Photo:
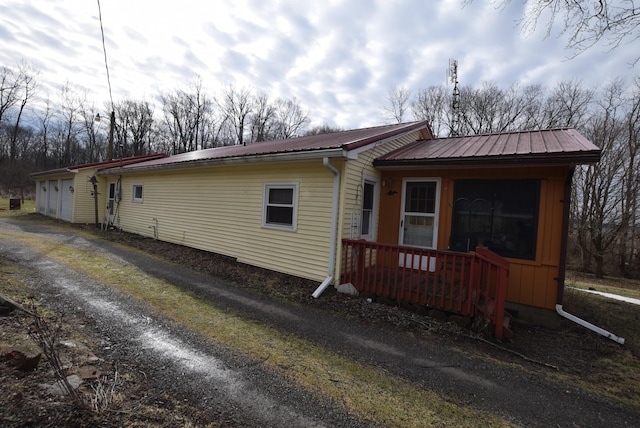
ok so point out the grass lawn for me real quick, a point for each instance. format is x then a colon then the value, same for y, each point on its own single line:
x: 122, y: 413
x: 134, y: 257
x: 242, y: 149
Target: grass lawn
x: 26, y: 207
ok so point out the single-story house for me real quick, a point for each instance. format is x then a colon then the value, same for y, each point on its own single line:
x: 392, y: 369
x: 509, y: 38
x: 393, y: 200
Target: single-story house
x: 68, y: 193
x: 390, y: 210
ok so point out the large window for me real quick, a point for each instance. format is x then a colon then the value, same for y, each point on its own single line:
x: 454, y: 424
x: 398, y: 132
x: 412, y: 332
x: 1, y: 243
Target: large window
x: 499, y: 214
x: 280, y: 206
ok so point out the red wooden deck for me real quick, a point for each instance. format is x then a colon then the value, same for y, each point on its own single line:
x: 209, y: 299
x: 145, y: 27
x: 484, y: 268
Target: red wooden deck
x: 471, y: 284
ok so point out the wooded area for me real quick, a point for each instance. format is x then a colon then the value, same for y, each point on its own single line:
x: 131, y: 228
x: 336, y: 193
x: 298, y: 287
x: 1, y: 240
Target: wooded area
x: 38, y: 132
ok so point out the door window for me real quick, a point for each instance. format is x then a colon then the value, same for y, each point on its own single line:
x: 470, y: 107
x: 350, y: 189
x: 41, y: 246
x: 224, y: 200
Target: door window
x: 419, y: 223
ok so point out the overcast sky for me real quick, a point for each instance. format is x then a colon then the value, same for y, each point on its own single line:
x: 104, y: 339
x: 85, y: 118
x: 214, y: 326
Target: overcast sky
x: 338, y: 58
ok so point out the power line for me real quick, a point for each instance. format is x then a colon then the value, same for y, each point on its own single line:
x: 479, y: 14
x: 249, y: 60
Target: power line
x: 104, y: 49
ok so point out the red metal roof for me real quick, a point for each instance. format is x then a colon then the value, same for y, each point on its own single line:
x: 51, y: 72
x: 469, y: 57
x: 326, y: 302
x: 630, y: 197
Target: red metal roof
x: 103, y: 165
x: 343, y: 140
x: 530, y: 147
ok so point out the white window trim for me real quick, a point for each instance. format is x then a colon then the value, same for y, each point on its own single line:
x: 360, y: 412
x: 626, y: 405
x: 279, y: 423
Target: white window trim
x: 265, y: 199
x: 435, y: 215
x: 373, y: 230
x: 133, y: 192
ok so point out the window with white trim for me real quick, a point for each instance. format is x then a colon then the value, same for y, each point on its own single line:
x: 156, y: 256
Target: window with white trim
x: 136, y: 193
x: 367, y: 217
x: 280, y: 206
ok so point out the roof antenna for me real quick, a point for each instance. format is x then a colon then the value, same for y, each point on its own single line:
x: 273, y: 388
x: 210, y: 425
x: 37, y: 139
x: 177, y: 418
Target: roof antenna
x: 452, y: 77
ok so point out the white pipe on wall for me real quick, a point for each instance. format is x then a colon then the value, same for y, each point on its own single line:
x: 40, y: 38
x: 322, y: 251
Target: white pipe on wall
x: 334, y: 227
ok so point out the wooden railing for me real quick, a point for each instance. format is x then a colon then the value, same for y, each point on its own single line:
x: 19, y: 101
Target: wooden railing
x: 471, y: 284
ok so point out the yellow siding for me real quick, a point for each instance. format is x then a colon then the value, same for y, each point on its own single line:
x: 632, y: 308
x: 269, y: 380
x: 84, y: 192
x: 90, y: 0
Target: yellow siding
x: 83, y: 202
x: 219, y: 209
x: 351, y: 190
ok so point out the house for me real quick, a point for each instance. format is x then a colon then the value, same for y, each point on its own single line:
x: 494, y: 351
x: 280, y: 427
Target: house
x: 68, y: 193
x: 461, y: 224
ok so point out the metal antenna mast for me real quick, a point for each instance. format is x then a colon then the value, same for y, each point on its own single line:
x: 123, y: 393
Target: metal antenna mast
x: 452, y: 77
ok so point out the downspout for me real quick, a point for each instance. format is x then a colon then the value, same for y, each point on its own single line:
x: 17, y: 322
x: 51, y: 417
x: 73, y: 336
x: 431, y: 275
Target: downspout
x: 334, y: 227
x: 563, y: 262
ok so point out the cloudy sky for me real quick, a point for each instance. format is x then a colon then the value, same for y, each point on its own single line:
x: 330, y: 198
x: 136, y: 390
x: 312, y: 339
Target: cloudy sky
x: 338, y: 58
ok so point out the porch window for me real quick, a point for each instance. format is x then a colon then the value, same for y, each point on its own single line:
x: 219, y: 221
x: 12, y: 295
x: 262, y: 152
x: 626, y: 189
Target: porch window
x: 499, y: 214
x: 280, y: 206
x: 367, y: 218
x: 136, y: 192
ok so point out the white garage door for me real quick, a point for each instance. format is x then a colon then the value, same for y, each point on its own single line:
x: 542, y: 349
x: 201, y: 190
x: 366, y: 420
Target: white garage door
x: 66, y: 200
x: 52, y: 198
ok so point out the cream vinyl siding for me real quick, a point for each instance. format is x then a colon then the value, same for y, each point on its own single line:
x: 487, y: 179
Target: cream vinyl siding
x: 220, y: 209
x: 84, y: 205
x: 351, y: 189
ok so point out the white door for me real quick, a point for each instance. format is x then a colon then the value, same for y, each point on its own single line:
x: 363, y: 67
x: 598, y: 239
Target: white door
x: 111, y: 203
x: 419, y: 220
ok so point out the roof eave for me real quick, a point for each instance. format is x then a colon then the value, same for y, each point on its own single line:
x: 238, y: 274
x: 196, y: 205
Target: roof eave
x: 52, y: 172
x: 272, y: 157
x: 516, y: 160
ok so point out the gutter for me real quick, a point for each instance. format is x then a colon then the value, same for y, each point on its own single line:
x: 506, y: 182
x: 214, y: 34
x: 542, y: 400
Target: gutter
x: 231, y: 160
x: 334, y: 227
x: 563, y: 262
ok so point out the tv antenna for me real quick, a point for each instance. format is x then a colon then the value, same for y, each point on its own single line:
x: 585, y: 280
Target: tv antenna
x: 452, y: 77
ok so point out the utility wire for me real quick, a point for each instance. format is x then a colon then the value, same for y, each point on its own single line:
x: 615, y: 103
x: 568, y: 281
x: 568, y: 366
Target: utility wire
x: 104, y: 49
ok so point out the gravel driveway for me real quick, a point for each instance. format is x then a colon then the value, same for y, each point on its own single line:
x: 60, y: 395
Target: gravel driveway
x: 217, y: 378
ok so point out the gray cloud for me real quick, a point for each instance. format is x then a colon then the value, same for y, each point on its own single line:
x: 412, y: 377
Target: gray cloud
x: 338, y: 58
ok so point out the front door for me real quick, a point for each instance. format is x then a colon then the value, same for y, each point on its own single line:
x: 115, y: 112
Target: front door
x: 419, y: 220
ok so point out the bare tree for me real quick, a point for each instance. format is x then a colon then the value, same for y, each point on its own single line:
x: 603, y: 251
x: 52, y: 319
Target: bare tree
x: 598, y: 209
x: 9, y: 90
x: 291, y: 119
x: 27, y: 86
x: 433, y: 105
x: 188, y: 118
x: 630, y: 185
x: 584, y: 22
x: 88, y: 115
x: 72, y: 101
x: 237, y: 105
x: 134, y: 125
x: 568, y: 105
x: 323, y: 129
x: 398, y: 100
x: 44, y: 118
x: 262, y: 119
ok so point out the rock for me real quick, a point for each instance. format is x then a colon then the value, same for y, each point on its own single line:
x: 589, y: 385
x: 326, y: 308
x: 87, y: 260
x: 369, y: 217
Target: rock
x: 348, y: 289
x: 59, y: 389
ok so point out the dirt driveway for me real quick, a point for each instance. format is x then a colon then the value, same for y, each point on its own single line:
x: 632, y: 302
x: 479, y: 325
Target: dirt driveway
x: 229, y: 387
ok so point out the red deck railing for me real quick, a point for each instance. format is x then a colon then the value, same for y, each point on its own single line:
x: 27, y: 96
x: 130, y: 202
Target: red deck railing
x: 471, y: 284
